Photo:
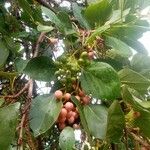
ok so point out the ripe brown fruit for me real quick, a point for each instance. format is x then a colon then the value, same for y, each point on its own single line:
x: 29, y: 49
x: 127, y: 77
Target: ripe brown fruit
x: 62, y: 120
x: 63, y: 112
x: 86, y: 100
x: 69, y: 114
x: 91, y: 55
x: 136, y: 114
x: 81, y: 93
x: 69, y: 106
x: 61, y: 126
x: 71, y: 120
x: 58, y: 94
x: 67, y: 96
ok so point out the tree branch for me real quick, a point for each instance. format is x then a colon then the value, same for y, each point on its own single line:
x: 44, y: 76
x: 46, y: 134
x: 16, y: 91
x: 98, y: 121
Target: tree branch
x: 40, y: 39
x: 139, y: 140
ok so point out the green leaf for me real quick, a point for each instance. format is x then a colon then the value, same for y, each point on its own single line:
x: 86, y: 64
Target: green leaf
x: 130, y: 96
x: 77, y: 11
x: 20, y: 64
x: 67, y: 139
x: 44, y: 112
x: 136, y: 45
x: 43, y: 28
x: 116, y: 16
x: 140, y: 62
x: 40, y: 68
x: 8, y: 124
x: 26, y: 8
x: 52, y: 16
x: 1, y: 101
x: 96, y: 117
x: 97, y: 32
x: 134, y: 80
x: 82, y: 116
x: 100, y: 80
x: 144, y: 118
x: 66, y: 23
x: 119, y: 47
x: 142, y: 121
x: 116, y: 123
x: 98, y: 13
x: 3, y: 54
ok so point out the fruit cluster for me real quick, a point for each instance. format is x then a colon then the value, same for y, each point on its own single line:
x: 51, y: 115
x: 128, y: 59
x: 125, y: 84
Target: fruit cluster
x: 69, y: 115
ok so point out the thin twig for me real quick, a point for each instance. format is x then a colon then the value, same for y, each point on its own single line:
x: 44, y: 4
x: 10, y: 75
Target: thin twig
x: 40, y: 39
x: 19, y: 93
x: 141, y: 141
x: 126, y: 138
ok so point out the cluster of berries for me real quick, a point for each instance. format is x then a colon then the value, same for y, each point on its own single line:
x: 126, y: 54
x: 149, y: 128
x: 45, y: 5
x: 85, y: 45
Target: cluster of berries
x: 69, y: 115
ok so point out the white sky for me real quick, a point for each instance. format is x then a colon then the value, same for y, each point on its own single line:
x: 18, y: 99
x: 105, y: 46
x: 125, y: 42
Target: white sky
x: 145, y: 40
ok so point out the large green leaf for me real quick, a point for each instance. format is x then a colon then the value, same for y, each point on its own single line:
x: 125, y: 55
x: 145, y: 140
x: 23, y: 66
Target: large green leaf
x: 134, y: 80
x: 20, y: 64
x: 52, y: 16
x: 66, y: 23
x: 1, y: 101
x: 116, y: 123
x: 67, y: 139
x: 143, y: 121
x: 119, y: 48
x: 100, y: 80
x: 77, y: 11
x: 96, y: 117
x: 97, y: 32
x: 82, y: 116
x: 116, y: 16
x: 144, y: 118
x: 3, y: 54
x: 130, y: 35
x: 26, y: 8
x: 44, y: 112
x: 98, y: 13
x: 40, y: 68
x: 8, y: 124
x: 136, y: 45
x: 140, y: 62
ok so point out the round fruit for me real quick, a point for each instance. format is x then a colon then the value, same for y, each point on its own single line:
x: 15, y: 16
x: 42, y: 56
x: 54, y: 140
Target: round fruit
x: 76, y: 126
x: 81, y: 61
x: 69, y: 106
x: 63, y: 112
x: 86, y: 100
x: 136, y: 114
x: 69, y: 114
x: 91, y: 55
x: 84, y: 55
x: 71, y: 120
x: 61, y: 126
x: 58, y: 94
x: 62, y: 120
x: 67, y: 96
x: 81, y: 93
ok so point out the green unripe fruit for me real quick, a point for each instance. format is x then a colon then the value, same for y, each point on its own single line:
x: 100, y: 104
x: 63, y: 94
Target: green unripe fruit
x: 84, y: 55
x: 81, y: 61
x: 57, y: 73
x: 73, y: 79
